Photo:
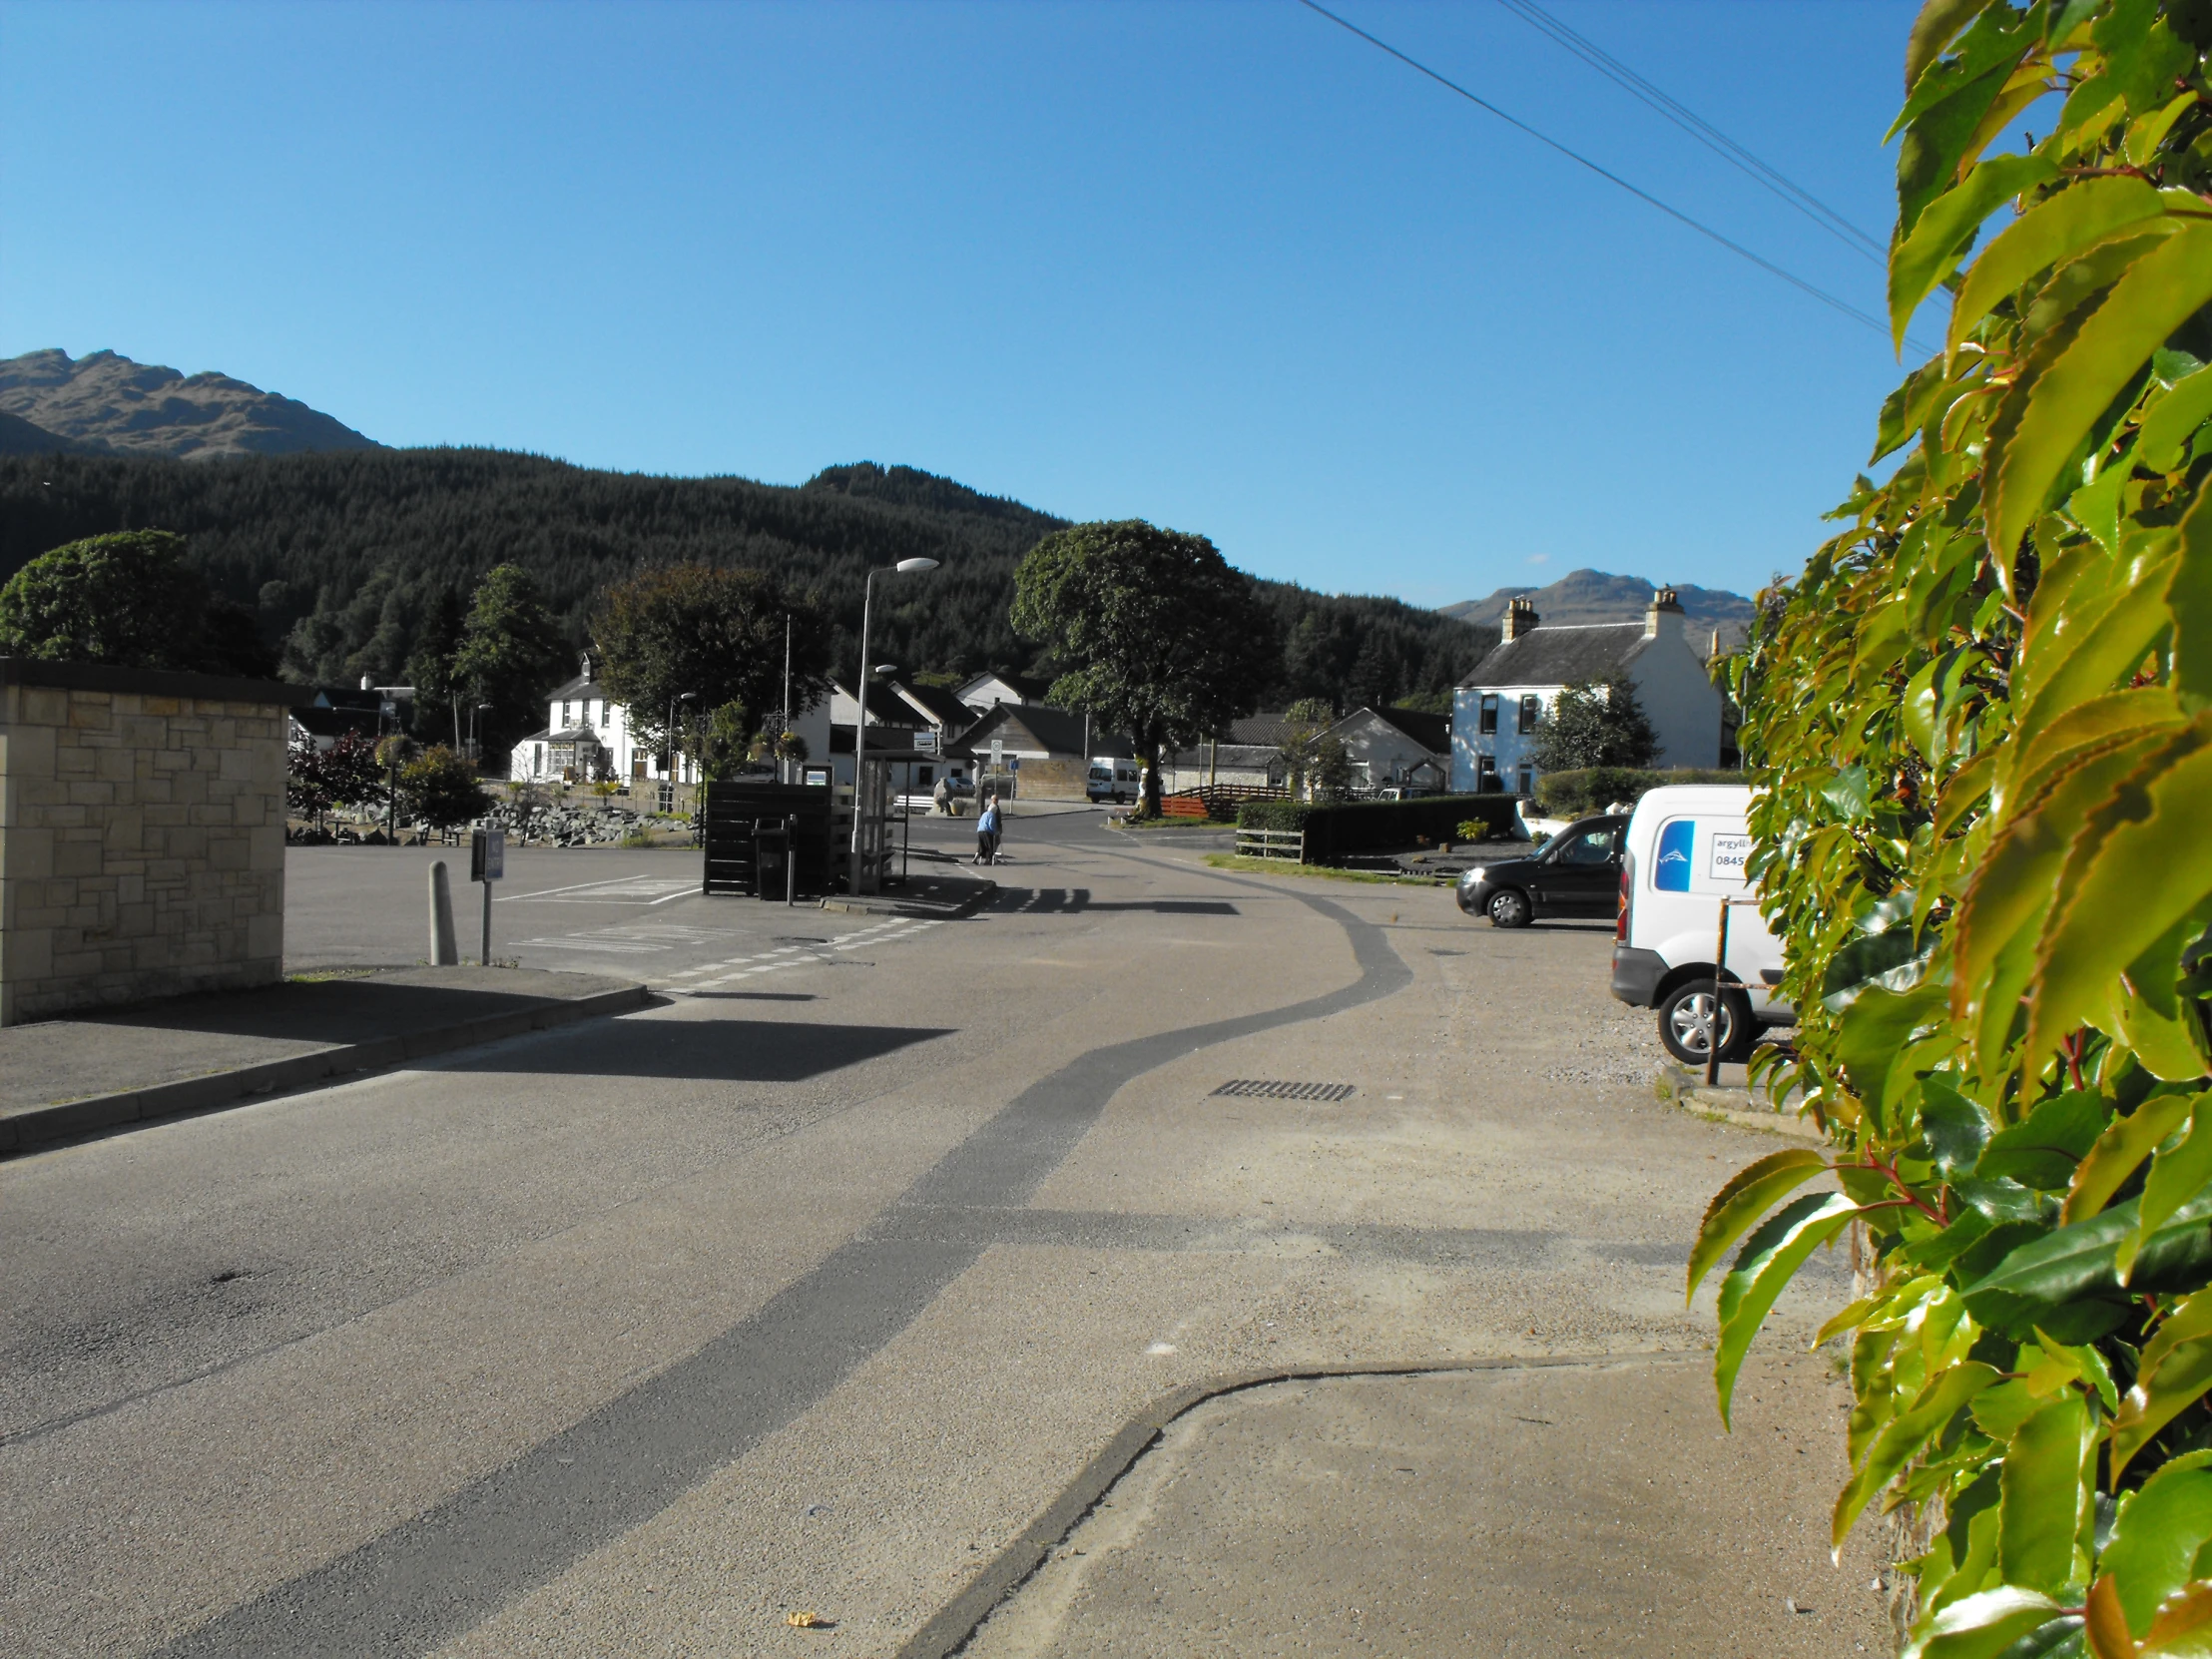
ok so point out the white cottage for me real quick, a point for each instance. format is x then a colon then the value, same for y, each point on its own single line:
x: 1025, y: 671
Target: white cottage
x: 1497, y: 708
x: 586, y: 737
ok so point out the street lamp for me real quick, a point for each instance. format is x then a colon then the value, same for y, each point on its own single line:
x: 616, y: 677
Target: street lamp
x: 475, y: 746
x: 905, y: 567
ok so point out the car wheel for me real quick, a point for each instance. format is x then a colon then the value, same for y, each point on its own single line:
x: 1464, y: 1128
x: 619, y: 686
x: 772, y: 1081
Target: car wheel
x: 1510, y: 908
x: 1688, y: 1017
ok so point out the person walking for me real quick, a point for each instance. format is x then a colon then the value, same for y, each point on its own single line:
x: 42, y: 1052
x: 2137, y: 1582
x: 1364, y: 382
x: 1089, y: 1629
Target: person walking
x: 986, y: 832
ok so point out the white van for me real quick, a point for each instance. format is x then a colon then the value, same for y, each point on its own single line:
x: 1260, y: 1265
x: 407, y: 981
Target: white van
x: 1684, y: 855
x: 1114, y: 780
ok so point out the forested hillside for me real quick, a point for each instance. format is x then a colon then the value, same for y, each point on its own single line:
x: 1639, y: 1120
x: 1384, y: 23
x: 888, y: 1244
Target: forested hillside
x: 342, y: 556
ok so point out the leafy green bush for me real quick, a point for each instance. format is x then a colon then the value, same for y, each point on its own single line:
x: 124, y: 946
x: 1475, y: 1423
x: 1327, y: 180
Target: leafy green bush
x: 441, y: 790
x: 1981, y: 723
x: 1334, y: 831
x: 1590, y: 789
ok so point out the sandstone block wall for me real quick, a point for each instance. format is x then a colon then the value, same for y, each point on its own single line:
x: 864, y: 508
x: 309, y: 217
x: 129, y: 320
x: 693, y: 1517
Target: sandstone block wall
x: 142, y: 837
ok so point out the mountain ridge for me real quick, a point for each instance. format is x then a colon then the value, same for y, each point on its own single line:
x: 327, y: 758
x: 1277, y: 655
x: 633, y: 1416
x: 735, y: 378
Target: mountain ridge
x: 1586, y: 596
x: 104, y: 402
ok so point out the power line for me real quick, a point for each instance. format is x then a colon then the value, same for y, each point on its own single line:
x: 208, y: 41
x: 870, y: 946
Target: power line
x: 1822, y: 294
x: 1772, y: 179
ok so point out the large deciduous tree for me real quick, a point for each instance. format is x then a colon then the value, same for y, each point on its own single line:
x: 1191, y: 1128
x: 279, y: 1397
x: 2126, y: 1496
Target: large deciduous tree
x: 511, y: 652
x: 1595, y: 722
x: 1153, y: 632
x: 128, y: 600
x: 717, y: 633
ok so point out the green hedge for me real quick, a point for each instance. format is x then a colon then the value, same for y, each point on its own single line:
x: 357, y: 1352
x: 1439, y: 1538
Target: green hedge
x: 1332, y: 832
x: 1593, y: 788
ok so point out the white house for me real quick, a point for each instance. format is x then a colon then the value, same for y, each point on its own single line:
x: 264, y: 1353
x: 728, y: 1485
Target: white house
x: 1401, y: 747
x: 987, y: 691
x: 587, y: 736
x: 1497, y: 708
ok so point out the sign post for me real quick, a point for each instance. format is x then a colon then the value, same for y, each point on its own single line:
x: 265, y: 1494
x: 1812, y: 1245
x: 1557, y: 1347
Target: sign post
x: 487, y: 863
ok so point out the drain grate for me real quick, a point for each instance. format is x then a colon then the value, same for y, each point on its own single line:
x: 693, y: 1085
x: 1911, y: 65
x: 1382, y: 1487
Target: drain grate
x: 1267, y: 1089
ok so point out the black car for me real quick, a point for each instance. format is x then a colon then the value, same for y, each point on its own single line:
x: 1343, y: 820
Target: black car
x: 1576, y: 873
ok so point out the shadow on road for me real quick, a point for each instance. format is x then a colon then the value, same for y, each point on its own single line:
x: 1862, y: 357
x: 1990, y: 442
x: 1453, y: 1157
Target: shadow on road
x: 1036, y: 901
x: 720, y: 1050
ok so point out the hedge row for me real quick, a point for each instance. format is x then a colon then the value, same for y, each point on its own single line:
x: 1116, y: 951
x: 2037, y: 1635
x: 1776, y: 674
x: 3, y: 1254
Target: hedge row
x: 1332, y: 832
x: 1593, y: 788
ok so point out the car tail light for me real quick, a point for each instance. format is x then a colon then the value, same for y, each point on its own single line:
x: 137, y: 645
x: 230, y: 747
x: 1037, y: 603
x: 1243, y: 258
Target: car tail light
x: 1620, y: 919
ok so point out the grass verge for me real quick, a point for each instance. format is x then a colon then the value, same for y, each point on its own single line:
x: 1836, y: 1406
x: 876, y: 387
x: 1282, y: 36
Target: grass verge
x: 1283, y: 866
x: 1150, y: 824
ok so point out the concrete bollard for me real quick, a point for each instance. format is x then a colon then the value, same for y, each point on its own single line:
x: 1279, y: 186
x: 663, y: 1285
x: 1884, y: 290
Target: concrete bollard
x: 444, y: 952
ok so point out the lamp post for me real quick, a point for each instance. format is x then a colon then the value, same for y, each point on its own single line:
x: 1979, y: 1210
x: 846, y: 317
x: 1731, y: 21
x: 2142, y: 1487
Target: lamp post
x: 476, y: 744
x: 905, y: 567
x: 684, y: 696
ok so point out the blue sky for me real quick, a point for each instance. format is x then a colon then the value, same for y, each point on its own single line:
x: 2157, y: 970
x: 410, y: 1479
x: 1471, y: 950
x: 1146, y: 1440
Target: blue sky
x: 1218, y: 265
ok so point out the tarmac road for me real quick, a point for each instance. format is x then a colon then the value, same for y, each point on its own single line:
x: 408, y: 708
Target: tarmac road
x: 810, y: 1293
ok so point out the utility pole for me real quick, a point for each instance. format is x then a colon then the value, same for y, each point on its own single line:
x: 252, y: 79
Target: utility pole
x: 783, y: 720
x: 905, y: 567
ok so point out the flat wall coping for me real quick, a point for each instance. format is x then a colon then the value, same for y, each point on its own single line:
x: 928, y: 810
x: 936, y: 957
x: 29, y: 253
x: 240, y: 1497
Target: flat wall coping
x: 150, y: 681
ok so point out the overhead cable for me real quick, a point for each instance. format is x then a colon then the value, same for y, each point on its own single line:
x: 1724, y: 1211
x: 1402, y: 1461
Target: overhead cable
x: 1804, y: 201
x: 1868, y: 318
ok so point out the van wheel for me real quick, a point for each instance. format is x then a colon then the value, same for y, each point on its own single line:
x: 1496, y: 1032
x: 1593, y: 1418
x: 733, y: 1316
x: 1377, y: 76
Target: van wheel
x: 1510, y: 908
x: 1688, y: 1016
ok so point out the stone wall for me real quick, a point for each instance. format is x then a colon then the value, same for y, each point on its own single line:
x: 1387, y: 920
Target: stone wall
x: 142, y: 836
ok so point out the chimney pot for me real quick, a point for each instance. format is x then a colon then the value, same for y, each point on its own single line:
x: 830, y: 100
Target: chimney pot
x: 1520, y: 617
x: 1664, y: 602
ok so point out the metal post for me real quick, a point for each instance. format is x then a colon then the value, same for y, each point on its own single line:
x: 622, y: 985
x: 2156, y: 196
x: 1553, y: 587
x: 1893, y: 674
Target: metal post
x: 443, y: 952
x: 790, y: 862
x: 859, y: 731
x: 1713, y: 1037
x: 484, y: 954
x: 783, y: 718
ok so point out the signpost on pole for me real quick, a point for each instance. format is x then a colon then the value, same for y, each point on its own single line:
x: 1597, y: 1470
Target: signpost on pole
x: 487, y: 863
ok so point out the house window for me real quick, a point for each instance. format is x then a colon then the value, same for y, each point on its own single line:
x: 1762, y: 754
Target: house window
x: 1485, y: 773
x: 537, y: 760
x: 1488, y: 725
x: 1528, y: 783
x: 1532, y: 710
x: 926, y: 776
x: 565, y: 706
x: 637, y: 769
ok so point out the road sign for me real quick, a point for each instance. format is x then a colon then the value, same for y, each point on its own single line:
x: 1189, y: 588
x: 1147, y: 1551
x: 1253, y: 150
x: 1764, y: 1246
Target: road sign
x: 926, y: 742
x: 998, y: 753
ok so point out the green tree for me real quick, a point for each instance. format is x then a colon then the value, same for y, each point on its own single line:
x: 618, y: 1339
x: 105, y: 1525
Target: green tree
x: 441, y: 790
x: 1980, y: 727
x: 717, y: 633
x: 511, y: 652
x: 1595, y: 722
x: 1320, y: 768
x: 726, y: 742
x: 429, y: 665
x: 129, y: 600
x: 1155, y: 632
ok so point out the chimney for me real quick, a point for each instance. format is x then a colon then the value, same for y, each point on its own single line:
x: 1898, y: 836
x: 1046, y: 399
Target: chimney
x: 587, y: 664
x: 1663, y: 603
x: 1520, y: 617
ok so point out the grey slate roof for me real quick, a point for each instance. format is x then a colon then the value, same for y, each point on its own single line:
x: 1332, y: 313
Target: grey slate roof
x: 944, y: 707
x: 1560, y: 656
x: 1057, y: 731
x: 1432, y: 732
x: 1272, y: 730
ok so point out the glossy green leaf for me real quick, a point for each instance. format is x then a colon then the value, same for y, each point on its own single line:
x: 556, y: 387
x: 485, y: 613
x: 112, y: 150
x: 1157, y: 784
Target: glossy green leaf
x: 2047, y: 1148
x: 1906, y: 410
x: 2075, y: 666
x: 2119, y: 1151
x: 2085, y: 730
x: 2189, y: 602
x: 2049, y: 234
x: 2182, y: 1628
x: 2001, y: 1411
x: 1982, y: 1626
x: 2173, y: 420
x: 2159, y: 292
x: 1750, y: 1193
x: 1769, y: 1259
x: 1908, y: 1431
x: 2149, y: 864
x: 2175, y: 1372
x: 1953, y: 1128
x: 2039, y: 1514
x: 2001, y: 920
x: 2177, y: 1175
x: 2077, y: 1262
x: 1935, y: 27
x: 1945, y: 228
x: 1875, y: 1028
x: 2159, y: 1534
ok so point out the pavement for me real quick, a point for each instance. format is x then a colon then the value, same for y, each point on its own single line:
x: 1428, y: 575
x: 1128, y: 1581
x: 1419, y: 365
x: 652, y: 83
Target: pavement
x: 68, y: 1077
x: 821, y: 1280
